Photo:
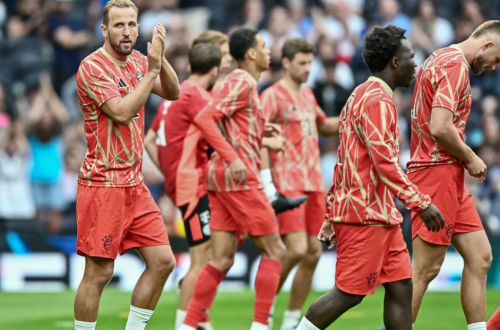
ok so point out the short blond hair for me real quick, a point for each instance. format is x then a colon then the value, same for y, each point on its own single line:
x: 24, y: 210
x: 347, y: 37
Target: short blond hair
x: 211, y: 37
x: 487, y: 27
x: 117, y: 3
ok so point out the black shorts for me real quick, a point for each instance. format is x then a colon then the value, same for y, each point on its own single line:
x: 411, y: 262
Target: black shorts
x: 197, y: 223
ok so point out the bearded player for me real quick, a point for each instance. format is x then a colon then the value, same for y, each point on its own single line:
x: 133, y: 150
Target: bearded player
x: 296, y: 171
x: 115, y: 210
x: 439, y: 158
x: 361, y: 214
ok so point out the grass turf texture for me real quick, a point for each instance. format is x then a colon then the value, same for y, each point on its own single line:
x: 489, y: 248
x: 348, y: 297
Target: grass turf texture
x: 231, y: 311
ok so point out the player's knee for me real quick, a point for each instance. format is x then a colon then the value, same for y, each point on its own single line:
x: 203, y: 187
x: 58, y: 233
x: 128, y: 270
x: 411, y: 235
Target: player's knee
x: 313, y: 254
x: 481, y: 263
x: 296, y: 253
x: 277, y: 252
x: 102, y: 275
x: 426, y: 274
x: 163, y: 265
x: 224, y: 264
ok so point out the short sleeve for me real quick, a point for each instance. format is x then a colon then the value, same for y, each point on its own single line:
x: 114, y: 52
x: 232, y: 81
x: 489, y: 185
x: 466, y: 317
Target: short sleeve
x: 95, y: 82
x: 234, y: 95
x: 450, y: 85
x: 269, y: 105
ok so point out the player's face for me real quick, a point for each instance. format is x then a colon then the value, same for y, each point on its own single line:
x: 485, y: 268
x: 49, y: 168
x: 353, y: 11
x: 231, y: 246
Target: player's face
x: 263, y: 55
x: 488, y: 57
x: 299, y: 67
x: 122, y: 30
x: 227, y: 59
x: 406, y: 64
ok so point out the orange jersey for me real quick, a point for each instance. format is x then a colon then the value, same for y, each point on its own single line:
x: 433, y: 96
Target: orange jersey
x: 367, y: 175
x: 298, y: 114
x: 180, y: 143
x: 236, y: 108
x: 442, y: 81
x: 114, y: 152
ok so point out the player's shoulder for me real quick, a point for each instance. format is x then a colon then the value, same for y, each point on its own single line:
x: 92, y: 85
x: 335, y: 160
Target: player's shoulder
x: 447, y: 57
x: 241, y: 77
x: 373, y: 93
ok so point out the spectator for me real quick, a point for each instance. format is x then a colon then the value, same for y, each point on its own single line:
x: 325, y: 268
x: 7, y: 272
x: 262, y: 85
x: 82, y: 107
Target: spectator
x: 390, y: 14
x: 15, y: 193
x: 45, y: 121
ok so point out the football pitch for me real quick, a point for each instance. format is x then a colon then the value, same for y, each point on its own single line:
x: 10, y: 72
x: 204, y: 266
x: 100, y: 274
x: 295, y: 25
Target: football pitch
x: 231, y: 311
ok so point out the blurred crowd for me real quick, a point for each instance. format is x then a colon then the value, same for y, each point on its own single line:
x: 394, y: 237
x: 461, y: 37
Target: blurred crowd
x: 43, y: 41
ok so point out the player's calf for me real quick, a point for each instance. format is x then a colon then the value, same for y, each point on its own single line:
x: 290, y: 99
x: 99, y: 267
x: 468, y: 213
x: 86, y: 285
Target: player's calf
x: 397, y: 305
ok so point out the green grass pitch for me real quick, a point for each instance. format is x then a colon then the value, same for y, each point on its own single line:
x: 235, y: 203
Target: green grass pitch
x: 231, y: 311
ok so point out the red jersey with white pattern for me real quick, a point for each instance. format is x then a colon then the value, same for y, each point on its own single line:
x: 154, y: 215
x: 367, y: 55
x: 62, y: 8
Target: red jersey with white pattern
x: 172, y: 122
x: 367, y: 175
x: 237, y: 108
x: 114, y: 152
x: 297, y: 168
x: 442, y: 81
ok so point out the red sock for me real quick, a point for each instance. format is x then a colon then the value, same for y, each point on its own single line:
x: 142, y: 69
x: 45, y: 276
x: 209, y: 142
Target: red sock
x: 266, y: 286
x: 494, y: 322
x: 203, y: 295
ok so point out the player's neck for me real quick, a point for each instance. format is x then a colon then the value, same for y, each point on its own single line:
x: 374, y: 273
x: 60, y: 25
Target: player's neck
x: 291, y: 84
x: 387, y: 77
x: 202, y: 81
x: 107, y: 47
x: 470, y: 48
x: 250, y: 68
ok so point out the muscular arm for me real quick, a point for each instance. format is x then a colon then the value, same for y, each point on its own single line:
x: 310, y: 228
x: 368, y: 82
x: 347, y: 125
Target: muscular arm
x: 167, y: 83
x: 330, y: 126
x: 123, y: 109
x: 151, y: 148
x: 446, y: 135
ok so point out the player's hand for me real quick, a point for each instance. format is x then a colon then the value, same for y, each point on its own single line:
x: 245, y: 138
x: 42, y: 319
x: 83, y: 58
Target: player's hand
x: 156, y: 49
x: 476, y: 167
x: 327, y: 235
x: 272, y: 130
x: 432, y: 218
x: 276, y: 143
x: 239, y: 171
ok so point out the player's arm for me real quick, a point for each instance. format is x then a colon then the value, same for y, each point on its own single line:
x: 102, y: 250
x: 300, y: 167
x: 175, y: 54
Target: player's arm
x: 207, y: 121
x: 167, y: 83
x: 123, y: 109
x: 152, y: 148
x: 330, y: 126
x: 446, y: 135
x: 376, y: 129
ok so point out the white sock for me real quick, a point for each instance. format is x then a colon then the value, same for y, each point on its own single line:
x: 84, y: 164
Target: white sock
x: 477, y: 326
x: 138, y: 318
x: 186, y: 327
x: 269, y: 188
x: 305, y: 324
x: 80, y: 325
x: 259, y: 326
x: 179, y: 318
x: 290, y: 319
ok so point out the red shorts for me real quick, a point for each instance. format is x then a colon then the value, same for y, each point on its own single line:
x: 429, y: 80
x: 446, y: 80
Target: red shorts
x: 368, y: 256
x: 242, y: 212
x: 112, y: 220
x: 308, y: 217
x: 445, y: 185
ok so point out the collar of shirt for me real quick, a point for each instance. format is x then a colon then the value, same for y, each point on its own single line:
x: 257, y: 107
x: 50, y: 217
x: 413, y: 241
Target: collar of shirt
x: 383, y: 83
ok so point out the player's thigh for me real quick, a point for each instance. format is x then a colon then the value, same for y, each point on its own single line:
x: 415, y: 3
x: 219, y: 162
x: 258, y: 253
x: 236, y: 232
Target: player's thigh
x: 427, y: 257
x: 196, y: 223
x: 293, y: 220
x: 474, y: 247
x: 400, y: 291
x: 315, y: 209
x: 200, y: 254
x: 271, y: 246
x: 296, y: 242
x: 147, y: 228
x: 441, y: 183
x: 467, y: 219
x: 224, y: 245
